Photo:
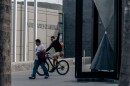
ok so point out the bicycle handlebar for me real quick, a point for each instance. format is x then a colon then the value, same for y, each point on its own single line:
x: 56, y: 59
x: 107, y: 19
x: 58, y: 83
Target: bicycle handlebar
x: 47, y: 53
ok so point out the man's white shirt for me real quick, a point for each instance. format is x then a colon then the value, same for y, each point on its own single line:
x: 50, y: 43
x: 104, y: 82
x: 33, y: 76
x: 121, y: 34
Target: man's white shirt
x: 38, y: 49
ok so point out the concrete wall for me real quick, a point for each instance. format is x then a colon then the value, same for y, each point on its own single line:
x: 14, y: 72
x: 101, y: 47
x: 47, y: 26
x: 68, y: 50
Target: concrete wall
x: 125, y: 55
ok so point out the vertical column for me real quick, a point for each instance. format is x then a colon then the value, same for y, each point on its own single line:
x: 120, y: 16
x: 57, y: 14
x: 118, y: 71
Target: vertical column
x: 25, y: 30
x: 95, y: 31
x: 63, y: 27
x: 14, y: 30
x: 35, y: 23
x: 35, y: 19
x: 78, y: 38
x: 118, y: 25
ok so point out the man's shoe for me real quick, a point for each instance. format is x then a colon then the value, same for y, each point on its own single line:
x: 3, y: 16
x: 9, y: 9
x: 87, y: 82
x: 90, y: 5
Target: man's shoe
x: 32, y: 77
x: 46, y: 77
x: 52, y: 70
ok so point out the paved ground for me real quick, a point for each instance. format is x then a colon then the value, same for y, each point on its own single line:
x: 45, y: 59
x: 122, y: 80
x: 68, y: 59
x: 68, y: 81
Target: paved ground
x: 21, y: 79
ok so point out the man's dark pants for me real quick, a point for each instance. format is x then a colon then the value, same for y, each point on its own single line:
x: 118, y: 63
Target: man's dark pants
x: 35, y: 68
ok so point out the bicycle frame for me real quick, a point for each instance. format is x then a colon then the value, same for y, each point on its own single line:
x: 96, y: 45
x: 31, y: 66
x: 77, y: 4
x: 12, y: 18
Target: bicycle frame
x: 48, y: 58
x: 58, y: 65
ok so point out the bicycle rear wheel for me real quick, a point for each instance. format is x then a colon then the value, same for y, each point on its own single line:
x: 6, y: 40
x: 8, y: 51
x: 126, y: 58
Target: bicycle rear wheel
x: 62, y: 67
x: 40, y: 70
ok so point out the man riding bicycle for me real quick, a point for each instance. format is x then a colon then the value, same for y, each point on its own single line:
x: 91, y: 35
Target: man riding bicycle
x: 58, y: 50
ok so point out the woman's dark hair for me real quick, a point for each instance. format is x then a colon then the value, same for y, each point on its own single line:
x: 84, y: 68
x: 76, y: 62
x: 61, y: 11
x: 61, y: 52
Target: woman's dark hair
x: 38, y: 40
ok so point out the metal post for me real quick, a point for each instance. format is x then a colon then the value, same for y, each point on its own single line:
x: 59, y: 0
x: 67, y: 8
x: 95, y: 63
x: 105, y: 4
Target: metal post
x: 78, y: 38
x: 25, y: 30
x: 61, y: 25
x: 118, y: 26
x: 95, y: 31
x: 14, y: 30
x: 35, y: 23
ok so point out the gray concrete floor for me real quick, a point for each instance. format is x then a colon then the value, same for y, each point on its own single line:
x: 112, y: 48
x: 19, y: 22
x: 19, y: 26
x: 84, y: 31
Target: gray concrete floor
x: 21, y: 79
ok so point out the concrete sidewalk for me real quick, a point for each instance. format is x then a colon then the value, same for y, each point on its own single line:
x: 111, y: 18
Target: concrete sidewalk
x: 24, y: 66
x: 21, y: 79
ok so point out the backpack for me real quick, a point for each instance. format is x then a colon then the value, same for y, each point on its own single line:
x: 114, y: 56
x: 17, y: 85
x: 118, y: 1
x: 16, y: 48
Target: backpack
x: 41, y: 57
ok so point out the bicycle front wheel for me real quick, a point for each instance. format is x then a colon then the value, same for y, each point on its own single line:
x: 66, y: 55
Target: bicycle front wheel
x: 62, y: 67
x: 40, y: 70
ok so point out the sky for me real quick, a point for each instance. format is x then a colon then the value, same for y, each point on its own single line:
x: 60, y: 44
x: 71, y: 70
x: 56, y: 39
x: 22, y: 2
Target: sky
x: 49, y: 1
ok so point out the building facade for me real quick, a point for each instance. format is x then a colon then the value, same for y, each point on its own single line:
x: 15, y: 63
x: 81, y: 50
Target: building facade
x: 47, y: 25
x: 122, y: 49
x: 69, y: 10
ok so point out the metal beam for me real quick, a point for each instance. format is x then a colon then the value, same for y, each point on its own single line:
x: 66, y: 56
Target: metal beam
x: 78, y: 38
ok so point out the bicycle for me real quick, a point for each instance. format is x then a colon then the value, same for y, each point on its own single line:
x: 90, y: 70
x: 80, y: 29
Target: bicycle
x: 62, y: 66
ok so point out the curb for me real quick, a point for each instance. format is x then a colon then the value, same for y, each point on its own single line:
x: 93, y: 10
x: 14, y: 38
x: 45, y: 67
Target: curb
x: 24, y: 66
